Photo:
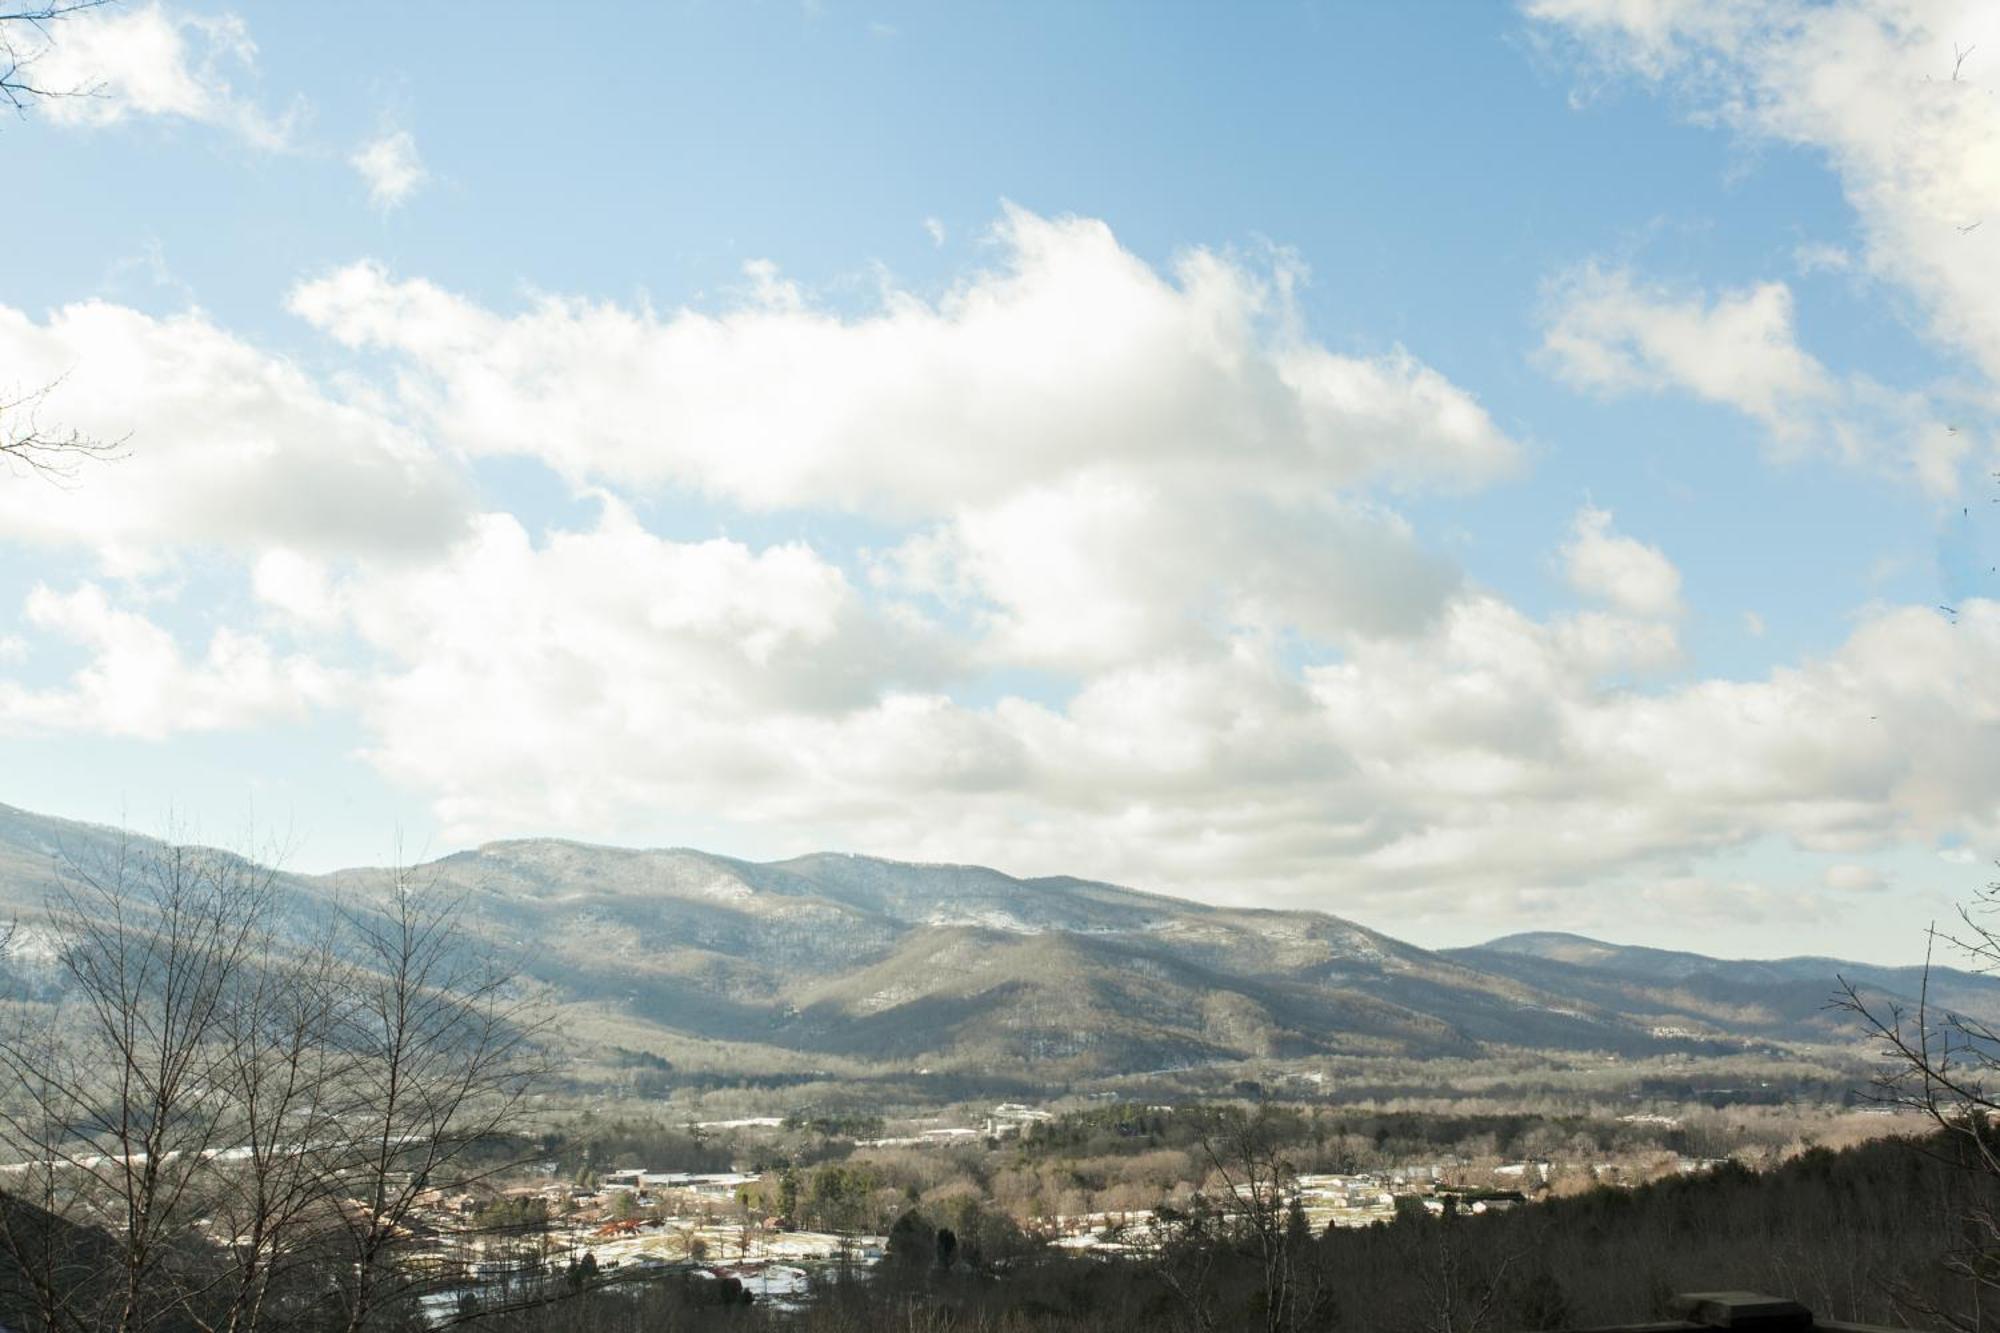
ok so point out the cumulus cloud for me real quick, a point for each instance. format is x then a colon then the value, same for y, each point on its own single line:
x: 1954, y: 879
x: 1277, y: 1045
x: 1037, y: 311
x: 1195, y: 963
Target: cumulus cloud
x: 1442, y: 773
x: 1073, y: 353
x: 391, y: 167
x: 1609, y: 332
x: 1108, y: 568
x: 109, y: 64
x: 1488, y: 735
x: 1633, y: 577
x: 1099, y: 461
x: 1878, y: 87
x: 136, y: 681
x: 1457, y: 770
x: 612, y: 667
x: 228, y: 446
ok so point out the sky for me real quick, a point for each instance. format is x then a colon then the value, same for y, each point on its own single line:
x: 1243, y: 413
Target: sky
x: 1465, y: 468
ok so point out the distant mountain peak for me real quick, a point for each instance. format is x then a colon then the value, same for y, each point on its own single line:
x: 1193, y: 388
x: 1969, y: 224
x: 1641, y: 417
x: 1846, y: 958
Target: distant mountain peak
x: 866, y: 963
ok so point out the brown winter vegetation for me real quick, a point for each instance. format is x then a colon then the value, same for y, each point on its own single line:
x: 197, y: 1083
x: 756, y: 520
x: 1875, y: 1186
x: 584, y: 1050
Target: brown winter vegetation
x: 231, y: 1107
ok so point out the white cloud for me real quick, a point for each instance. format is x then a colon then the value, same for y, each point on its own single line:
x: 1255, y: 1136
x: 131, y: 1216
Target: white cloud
x: 227, y: 446
x: 1073, y: 355
x: 1607, y: 644
x: 1456, y: 770
x: 1108, y: 568
x: 1633, y: 577
x: 298, y: 589
x: 606, y: 669
x: 1870, y: 85
x: 137, y: 682
x: 391, y: 167
x: 1158, y: 491
x: 1156, y: 485
x: 1100, y: 463
x: 1610, y: 333
x: 108, y: 64
x: 1509, y: 762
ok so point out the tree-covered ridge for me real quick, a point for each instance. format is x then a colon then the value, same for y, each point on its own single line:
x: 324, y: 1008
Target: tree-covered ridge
x: 675, y: 968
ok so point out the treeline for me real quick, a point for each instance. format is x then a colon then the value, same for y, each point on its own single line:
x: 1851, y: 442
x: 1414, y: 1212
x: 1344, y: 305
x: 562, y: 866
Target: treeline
x: 1321, y: 1139
x: 590, y: 1146
x: 1129, y: 1157
x: 1866, y: 1234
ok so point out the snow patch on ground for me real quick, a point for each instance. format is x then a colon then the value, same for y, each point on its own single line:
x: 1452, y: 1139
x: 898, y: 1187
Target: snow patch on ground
x: 887, y: 998
x: 989, y: 919
x: 33, y: 944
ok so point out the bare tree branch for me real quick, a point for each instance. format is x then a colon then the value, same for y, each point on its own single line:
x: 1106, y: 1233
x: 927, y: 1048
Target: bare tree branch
x: 18, y: 87
x: 54, y: 454
x: 1944, y: 1065
x: 238, y: 1111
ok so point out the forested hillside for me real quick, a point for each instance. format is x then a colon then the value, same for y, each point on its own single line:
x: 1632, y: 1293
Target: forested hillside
x: 833, y: 966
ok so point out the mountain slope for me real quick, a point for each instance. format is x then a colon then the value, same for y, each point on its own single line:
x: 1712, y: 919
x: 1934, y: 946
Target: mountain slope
x: 962, y: 966
x: 857, y: 965
x: 1784, y: 997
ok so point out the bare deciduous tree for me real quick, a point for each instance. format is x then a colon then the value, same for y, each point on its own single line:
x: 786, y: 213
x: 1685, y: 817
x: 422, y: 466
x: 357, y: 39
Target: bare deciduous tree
x: 1255, y: 1210
x: 443, y: 1054
x: 230, y: 1111
x: 1946, y: 1065
x: 1459, y: 1294
x: 118, y: 1110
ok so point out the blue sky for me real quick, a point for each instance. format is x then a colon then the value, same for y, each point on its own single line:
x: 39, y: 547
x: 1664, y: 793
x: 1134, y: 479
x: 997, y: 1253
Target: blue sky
x: 1466, y: 468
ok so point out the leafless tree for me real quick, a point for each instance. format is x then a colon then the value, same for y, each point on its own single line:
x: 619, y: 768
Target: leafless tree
x: 1946, y: 1065
x: 1255, y: 1210
x: 1459, y: 1295
x: 444, y: 1052
x: 286, y: 1083
x: 119, y: 1111
x: 232, y: 1111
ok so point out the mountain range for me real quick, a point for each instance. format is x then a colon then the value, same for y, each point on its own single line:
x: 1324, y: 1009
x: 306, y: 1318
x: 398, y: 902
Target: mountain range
x: 850, y: 966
